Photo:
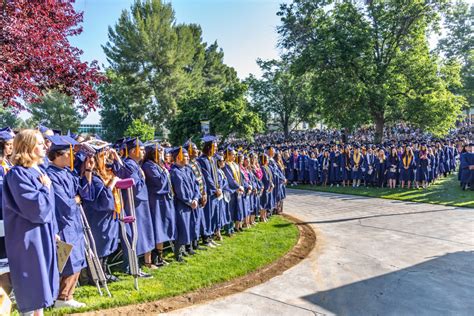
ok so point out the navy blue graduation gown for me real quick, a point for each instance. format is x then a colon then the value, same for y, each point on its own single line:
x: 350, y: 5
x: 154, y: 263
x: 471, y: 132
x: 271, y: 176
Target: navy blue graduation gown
x: 185, y: 192
x: 466, y: 160
x: 146, y: 238
x: 30, y: 228
x: 266, y: 199
x: 313, y: 170
x: 68, y: 216
x: 369, y: 170
x: 422, y: 172
x: 335, y: 168
x: 198, y: 222
x: 279, y: 179
x: 393, y: 163
x: 160, y: 197
x: 380, y: 170
x: 301, y: 168
x: 223, y: 214
x: 234, y: 181
x: 99, y: 209
x: 210, y: 177
x: 345, y: 167
x: 407, y: 169
x: 356, y: 168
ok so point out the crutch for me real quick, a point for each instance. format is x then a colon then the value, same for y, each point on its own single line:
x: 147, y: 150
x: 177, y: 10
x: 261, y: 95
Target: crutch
x: 131, y: 245
x: 97, y: 273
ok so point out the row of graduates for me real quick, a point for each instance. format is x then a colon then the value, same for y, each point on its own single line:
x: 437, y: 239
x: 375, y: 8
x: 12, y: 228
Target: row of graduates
x: 50, y: 179
x: 371, y: 166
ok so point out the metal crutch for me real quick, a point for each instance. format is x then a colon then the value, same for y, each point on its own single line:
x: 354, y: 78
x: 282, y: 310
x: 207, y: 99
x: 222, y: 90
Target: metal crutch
x: 131, y: 245
x: 97, y: 273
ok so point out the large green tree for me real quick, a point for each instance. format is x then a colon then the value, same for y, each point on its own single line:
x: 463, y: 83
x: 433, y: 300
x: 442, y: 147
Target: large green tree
x: 281, y: 95
x: 458, y: 44
x: 372, y: 62
x: 149, y: 46
x: 57, y: 111
x: 9, y: 117
x: 227, y: 110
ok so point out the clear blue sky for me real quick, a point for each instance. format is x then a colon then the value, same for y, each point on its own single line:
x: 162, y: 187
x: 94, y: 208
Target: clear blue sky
x: 244, y: 29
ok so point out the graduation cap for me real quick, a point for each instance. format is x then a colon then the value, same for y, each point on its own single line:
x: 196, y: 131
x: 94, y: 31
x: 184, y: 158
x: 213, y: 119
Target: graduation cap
x: 59, y: 142
x: 5, y: 136
x: 71, y: 134
x: 219, y: 157
x: 43, y: 129
x: 56, y: 131
x: 153, y: 146
x: 132, y: 143
x: 178, y: 152
x: 209, y: 139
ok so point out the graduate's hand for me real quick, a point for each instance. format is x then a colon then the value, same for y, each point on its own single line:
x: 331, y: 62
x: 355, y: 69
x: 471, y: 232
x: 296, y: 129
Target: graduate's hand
x: 113, y: 182
x: 57, y: 237
x: 45, y: 180
x: 194, y: 204
x: 218, y: 192
x: 78, y: 199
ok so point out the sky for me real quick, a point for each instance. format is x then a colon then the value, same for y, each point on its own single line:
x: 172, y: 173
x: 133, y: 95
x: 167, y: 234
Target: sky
x: 244, y: 29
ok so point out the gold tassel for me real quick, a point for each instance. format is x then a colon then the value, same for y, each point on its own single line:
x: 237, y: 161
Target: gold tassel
x: 180, y: 154
x: 156, y: 153
x: 137, y: 148
x: 71, y: 157
x: 213, y: 149
x: 126, y: 151
x: 190, y: 148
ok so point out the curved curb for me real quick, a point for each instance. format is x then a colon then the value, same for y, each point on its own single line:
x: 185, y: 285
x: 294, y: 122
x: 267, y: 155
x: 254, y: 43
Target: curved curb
x: 304, y: 246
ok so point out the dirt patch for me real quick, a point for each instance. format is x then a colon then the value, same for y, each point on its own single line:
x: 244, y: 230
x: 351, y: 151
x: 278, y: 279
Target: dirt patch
x: 300, y: 251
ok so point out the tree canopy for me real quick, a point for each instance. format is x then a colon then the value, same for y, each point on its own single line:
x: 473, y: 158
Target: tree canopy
x: 35, y: 54
x: 371, y: 63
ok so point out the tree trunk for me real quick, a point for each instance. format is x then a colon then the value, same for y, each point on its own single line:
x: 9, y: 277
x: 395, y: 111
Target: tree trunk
x: 286, y: 129
x: 379, y: 124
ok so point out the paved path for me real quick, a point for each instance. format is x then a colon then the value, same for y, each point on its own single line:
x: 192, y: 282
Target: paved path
x: 373, y: 257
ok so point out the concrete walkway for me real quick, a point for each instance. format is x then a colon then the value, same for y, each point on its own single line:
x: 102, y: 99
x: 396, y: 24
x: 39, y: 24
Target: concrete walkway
x: 373, y: 257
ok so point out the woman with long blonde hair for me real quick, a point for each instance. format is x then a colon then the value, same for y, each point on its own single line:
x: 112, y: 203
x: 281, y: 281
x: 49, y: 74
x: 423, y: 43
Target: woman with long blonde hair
x: 30, y: 229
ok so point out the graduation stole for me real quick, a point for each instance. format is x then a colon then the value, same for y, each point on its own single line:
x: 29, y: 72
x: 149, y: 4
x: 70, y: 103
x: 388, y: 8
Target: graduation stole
x: 356, y: 158
x: 214, y: 171
x: 235, y: 171
x: 6, y: 166
x: 117, y: 202
x: 269, y: 174
x: 407, y: 160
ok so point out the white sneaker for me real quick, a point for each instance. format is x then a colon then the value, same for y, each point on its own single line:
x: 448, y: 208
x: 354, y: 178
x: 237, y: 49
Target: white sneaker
x: 69, y: 303
x: 215, y: 243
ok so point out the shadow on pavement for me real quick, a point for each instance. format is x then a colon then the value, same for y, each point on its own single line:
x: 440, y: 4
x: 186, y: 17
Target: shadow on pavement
x: 442, y: 285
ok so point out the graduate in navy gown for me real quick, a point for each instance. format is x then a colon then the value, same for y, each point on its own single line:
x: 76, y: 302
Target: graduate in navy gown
x: 30, y: 226
x: 335, y: 167
x: 466, y: 167
x: 101, y: 206
x: 346, y: 166
x: 380, y: 166
x: 268, y: 186
x: 130, y: 168
x: 247, y: 184
x: 6, y: 149
x: 234, y: 178
x: 369, y: 166
x: 407, y: 166
x: 313, y: 169
x: 213, y: 207
x: 324, y: 165
x: 393, y: 163
x: 160, y: 197
x: 224, y: 217
x: 67, y: 193
x: 186, y: 200
x: 199, y: 220
x: 301, y: 167
x: 423, y: 166
x: 357, y: 161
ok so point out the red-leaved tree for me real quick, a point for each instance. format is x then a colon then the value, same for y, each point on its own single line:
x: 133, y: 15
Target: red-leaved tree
x: 35, y: 54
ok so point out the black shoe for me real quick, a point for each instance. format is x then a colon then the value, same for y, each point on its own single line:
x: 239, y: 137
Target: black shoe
x: 179, y: 258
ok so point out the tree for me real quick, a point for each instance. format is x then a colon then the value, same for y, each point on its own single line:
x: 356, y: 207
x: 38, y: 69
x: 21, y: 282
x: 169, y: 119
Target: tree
x: 9, y: 117
x: 57, y: 111
x: 282, y: 94
x: 143, y: 131
x: 458, y: 44
x: 35, y: 54
x: 228, y: 112
x: 371, y: 62
x: 147, y: 45
x: 124, y: 99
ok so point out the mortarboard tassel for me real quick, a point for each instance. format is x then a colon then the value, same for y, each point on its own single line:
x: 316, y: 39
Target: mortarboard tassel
x: 180, y: 154
x: 137, y: 149
x: 126, y: 152
x: 190, y: 148
x: 156, y: 153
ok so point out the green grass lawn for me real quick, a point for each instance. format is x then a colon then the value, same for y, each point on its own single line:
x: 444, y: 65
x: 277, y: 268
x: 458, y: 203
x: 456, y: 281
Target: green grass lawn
x: 239, y: 255
x: 446, y: 191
